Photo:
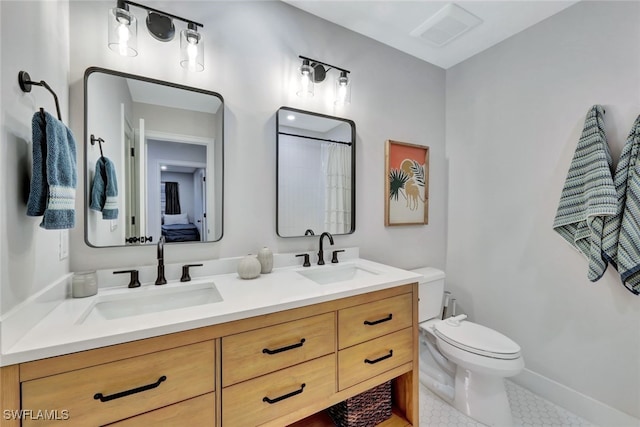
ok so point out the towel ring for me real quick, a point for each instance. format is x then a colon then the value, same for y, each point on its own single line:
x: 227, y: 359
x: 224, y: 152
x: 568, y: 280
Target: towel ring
x: 25, y: 82
x: 99, y: 141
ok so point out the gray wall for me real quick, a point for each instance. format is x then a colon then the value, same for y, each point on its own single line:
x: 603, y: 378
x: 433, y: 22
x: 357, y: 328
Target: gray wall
x: 251, y: 58
x: 29, y: 258
x: 514, y: 116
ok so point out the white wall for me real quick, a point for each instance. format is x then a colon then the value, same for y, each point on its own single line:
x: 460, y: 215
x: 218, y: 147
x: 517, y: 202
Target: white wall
x: 251, y: 58
x: 514, y: 116
x: 28, y: 254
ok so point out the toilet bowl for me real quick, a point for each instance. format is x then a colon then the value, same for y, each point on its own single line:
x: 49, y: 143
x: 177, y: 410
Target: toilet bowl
x: 463, y: 362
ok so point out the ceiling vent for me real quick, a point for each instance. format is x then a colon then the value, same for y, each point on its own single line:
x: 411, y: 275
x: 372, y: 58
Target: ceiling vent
x: 448, y: 23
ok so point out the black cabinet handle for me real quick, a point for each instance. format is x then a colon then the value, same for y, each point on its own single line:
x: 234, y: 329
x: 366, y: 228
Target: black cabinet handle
x: 280, y: 350
x: 286, y: 396
x: 375, y: 322
x: 379, y: 359
x: 102, y: 398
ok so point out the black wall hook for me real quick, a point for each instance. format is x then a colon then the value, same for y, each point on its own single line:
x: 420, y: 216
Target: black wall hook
x: 99, y: 141
x: 25, y: 82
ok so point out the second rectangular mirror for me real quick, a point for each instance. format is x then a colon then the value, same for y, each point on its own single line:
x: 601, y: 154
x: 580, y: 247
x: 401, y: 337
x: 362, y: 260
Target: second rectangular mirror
x: 315, y: 173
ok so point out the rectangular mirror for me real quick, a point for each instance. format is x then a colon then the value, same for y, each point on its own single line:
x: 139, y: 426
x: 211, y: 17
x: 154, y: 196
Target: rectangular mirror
x: 154, y: 158
x: 316, y: 186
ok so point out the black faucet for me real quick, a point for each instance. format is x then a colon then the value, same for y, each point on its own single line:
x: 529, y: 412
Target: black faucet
x: 321, y: 250
x: 161, y: 279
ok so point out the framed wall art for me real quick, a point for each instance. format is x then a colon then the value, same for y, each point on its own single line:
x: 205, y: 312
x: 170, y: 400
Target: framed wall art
x: 406, y: 184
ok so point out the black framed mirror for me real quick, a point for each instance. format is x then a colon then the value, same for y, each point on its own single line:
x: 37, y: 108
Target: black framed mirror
x: 315, y: 173
x: 154, y: 161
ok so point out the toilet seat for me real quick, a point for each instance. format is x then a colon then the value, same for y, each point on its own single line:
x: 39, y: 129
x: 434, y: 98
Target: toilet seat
x: 476, y: 339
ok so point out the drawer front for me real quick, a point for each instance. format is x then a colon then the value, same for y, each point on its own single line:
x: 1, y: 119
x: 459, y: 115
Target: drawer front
x: 254, y: 353
x: 375, y: 319
x: 245, y: 404
x: 366, y: 360
x: 199, y: 411
x: 128, y: 387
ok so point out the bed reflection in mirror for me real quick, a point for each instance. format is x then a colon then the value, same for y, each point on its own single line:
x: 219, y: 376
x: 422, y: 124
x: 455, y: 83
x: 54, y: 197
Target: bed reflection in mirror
x: 315, y: 174
x: 164, y: 148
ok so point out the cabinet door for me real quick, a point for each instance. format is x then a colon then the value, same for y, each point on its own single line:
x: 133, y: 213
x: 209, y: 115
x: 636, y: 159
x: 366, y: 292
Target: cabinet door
x: 366, y: 360
x: 266, y: 398
x: 113, y: 391
x: 254, y: 353
x: 199, y: 411
x: 367, y: 321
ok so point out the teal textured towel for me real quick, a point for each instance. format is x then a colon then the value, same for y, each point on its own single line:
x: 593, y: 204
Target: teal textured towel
x: 54, y: 175
x: 589, y: 194
x: 622, y: 232
x: 104, y: 192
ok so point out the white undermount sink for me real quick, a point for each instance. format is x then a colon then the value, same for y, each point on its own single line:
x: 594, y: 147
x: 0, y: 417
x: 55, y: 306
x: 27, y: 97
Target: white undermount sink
x: 332, y: 273
x: 150, y: 299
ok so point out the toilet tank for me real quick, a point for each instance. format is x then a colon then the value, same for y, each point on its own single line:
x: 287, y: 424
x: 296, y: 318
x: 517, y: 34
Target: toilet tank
x: 430, y: 293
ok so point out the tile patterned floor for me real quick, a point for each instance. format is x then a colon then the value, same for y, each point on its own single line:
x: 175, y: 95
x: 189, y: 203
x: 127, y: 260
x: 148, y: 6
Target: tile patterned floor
x: 527, y: 409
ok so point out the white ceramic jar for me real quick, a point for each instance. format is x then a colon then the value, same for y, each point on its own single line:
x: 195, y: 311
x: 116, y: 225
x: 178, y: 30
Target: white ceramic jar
x: 265, y: 257
x: 84, y: 284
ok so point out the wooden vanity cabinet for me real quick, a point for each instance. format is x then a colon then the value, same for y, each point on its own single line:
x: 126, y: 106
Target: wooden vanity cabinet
x: 278, y: 369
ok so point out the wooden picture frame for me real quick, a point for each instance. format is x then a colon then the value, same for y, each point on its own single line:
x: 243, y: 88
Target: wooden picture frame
x: 406, y: 184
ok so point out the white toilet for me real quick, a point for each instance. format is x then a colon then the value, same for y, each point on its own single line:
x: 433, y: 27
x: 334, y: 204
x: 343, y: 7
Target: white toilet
x: 463, y: 362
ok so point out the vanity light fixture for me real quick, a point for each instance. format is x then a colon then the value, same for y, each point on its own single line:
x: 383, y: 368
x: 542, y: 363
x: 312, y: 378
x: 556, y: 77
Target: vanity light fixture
x: 123, y: 33
x: 314, y: 71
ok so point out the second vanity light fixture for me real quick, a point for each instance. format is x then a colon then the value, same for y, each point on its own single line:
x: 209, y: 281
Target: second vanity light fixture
x: 314, y: 71
x: 123, y: 33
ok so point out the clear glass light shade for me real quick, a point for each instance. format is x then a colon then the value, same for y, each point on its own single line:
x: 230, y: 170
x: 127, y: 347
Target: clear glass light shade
x: 343, y: 89
x: 123, y: 32
x: 305, y: 85
x: 191, y: 50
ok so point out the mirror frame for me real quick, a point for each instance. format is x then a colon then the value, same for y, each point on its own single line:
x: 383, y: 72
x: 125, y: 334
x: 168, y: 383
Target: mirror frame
x: 87, y: 142
x: 353, y: 166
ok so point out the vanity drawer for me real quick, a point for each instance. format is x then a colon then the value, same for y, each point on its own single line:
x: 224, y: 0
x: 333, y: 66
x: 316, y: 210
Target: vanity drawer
x: 128, y: 387
x: 367, y: 321
x: 245, y: 404
x: 366, y: 360
x: 258, y: 352
x: 199, y: 411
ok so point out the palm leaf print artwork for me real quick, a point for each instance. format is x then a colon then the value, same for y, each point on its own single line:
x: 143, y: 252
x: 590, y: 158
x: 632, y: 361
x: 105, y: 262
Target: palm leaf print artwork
x: 407, y: 188
x: 397, y: 179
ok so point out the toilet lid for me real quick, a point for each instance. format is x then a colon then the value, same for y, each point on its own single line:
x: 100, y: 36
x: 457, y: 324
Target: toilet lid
x: 477, y: 339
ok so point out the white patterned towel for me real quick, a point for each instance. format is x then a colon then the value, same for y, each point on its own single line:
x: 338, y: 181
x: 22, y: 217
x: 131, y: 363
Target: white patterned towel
x: 621, y: 241
x: 589, y: 194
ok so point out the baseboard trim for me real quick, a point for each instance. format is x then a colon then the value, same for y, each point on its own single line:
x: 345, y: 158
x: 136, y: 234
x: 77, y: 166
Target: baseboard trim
x: 584, y: 406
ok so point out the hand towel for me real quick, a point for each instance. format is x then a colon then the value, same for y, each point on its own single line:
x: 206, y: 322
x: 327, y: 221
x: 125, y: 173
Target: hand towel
x: 54, y: 177
x: 104, y: 193
x: 622, y: 231
x: 589, y: 194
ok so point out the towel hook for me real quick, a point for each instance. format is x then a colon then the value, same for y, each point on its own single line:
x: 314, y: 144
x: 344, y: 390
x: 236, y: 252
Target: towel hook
x: 99, y: 141
x: 25, y: 82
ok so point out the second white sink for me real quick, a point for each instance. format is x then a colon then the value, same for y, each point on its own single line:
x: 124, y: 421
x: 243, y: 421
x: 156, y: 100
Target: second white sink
x: 150, y: 299
x: 332, y: 273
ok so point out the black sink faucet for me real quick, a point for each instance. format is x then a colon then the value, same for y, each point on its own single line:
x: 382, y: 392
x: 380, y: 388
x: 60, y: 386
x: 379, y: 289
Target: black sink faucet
x: 161, y: 279
x: 321, y: 250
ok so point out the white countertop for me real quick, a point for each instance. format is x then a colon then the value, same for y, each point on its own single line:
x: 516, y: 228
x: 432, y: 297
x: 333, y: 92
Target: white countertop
x: 61, y: 331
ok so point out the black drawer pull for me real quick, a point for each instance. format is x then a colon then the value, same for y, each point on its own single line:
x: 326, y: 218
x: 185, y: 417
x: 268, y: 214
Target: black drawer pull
x: 281, y: 349
x: 375, y: 322
x: 102, y: 398
x: 379, y: 359
x: 286, y: 396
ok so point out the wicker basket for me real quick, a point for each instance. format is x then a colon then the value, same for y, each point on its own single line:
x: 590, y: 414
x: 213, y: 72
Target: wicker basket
x: 367, y: 409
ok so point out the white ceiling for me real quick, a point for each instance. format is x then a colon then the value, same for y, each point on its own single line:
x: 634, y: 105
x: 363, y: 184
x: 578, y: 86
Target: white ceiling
x: 391, y: 22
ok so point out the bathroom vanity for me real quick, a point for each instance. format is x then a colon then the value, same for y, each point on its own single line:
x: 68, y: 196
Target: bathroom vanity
x: 282, y: 367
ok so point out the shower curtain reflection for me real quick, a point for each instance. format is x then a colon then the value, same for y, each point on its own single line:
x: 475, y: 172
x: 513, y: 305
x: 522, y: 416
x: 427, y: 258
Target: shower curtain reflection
x: 336, y: 165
